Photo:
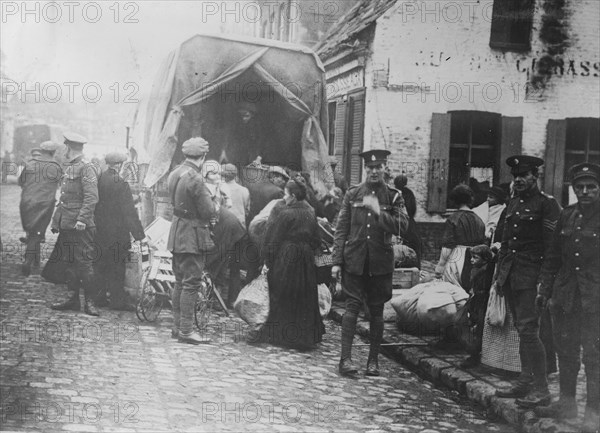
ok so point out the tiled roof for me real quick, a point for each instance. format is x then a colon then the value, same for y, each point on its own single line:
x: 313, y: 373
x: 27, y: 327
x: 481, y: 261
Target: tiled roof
x: 361, y: 16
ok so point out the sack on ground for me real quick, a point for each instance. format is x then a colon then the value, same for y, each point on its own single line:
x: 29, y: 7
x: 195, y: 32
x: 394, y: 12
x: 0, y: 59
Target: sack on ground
x: 324, y: 300
x: 428, y: 307
x: 496, y: 309
x: 252, y: 304
x: 404, y: 256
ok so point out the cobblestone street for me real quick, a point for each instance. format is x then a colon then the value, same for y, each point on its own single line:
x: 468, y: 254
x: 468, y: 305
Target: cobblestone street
x: 66, y: 371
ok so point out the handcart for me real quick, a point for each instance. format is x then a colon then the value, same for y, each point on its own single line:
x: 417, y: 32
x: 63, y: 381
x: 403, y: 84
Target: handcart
x: 157, y: 285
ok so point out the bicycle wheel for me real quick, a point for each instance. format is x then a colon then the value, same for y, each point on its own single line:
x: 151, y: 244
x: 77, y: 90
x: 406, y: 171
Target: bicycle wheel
x: 151, y: 301
x: 204, y: 303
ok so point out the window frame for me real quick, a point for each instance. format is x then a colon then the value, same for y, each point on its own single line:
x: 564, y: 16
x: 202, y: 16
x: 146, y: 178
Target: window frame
x: 501, y: 26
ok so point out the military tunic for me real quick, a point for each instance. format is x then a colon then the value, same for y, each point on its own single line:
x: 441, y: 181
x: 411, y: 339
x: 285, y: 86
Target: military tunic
x: 573, y: 284
x: 189, y: 239
x: 75, y: 251
x: 363, y: 241
x: 523, y: 264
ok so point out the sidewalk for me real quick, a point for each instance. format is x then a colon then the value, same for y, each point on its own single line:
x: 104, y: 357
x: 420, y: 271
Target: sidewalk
x: 442, y: 367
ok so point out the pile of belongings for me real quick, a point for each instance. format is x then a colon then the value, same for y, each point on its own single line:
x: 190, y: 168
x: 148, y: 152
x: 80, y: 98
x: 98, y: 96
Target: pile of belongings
x: 429, y: 308
x: 405, y: 257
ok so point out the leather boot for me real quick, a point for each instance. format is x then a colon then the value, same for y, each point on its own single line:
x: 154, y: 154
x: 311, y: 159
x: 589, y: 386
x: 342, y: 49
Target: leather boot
x: 564, y: 408
x: 90, y: 308
x: 539, y: 397
x: 372, y: 367
x: 72, y: 302
x: 591, y: 421
x: 192, y: 338
x: 347, y: 367
x: 521, y: 389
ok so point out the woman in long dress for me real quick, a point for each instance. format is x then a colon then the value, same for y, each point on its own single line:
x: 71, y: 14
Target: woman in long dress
x: 463, y: 230
x: 291, y: 238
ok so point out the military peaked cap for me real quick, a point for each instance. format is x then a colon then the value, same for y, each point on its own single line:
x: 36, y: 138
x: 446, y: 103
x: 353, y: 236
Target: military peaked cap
x: 586, y: 169
x: 520, y: 164
x: 74, y: 139
x: 195, y: 147
x: 374, y: 157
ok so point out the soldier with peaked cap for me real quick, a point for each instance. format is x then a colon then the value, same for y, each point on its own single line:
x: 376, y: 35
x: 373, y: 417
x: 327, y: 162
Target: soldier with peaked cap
x: 523, y: 265
x: 571, y: 285
x: 74, y: 221
x: 363, y: 255
x: 116, y: 219
x: 38, y: 181
x: 189, y: 238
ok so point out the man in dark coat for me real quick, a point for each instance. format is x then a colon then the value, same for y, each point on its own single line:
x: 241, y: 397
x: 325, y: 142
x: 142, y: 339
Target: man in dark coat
x: 574, y: 298
x: 412, y: 237
x: 371, y: 213
x: 261, y: 194
x: 338, y: 178
x: 190, y: 237
x: 523, y: 264
x: 38, y: 181
x: 74, y: 221
x: 116, y: 218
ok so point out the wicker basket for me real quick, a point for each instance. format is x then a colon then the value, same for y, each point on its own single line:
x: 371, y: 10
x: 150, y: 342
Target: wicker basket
x: 405, y: 278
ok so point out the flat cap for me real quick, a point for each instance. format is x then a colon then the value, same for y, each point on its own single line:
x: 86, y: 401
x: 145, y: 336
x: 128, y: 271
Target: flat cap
x: 375, y: 156
x: 279, y: 170
x: 115, y: 158
x: 48, y: 146
x: 586, y: 169
x: 194, y: 147
x: 229, y: 169
x: 74, y: 139
x: 36, y: 151
x: 520, y: 164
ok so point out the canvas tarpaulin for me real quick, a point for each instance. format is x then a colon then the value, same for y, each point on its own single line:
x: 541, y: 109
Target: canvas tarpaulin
x: 201, y: 82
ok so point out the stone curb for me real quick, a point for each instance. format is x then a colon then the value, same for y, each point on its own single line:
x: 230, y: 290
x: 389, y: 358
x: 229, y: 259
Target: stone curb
x: 427, y: 364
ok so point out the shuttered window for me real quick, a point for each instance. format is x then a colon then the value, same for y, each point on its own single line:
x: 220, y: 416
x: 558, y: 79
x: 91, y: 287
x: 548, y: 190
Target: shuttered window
x: 569, y: 142
x: 339, y: 137
x: 355, y: 137
x: 331, y: 112
x: 511, y: 25
x: 470, y: 147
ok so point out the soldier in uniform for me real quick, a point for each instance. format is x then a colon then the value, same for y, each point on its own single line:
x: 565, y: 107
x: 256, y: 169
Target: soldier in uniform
x: 39, y: 181
x: 371, y: 213
x: 116, y: 218
x: 74, y: 221
x: 574, y: 298
x: 522, y: 265
x: 190, y: 237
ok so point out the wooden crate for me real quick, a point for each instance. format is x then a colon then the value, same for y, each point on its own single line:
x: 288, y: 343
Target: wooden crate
x: 405, y: 278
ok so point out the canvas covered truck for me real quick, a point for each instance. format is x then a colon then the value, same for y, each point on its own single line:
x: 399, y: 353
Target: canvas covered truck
x: 252, y: 100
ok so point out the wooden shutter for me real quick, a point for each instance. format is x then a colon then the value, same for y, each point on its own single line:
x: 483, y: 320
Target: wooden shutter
x: 355, y: 137
x: 554, y: 164
x: 439, y: 162
x: 340, y: 133
x: 511, y: 140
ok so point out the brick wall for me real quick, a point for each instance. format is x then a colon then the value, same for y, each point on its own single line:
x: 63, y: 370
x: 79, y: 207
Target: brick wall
x: 436, y: 49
